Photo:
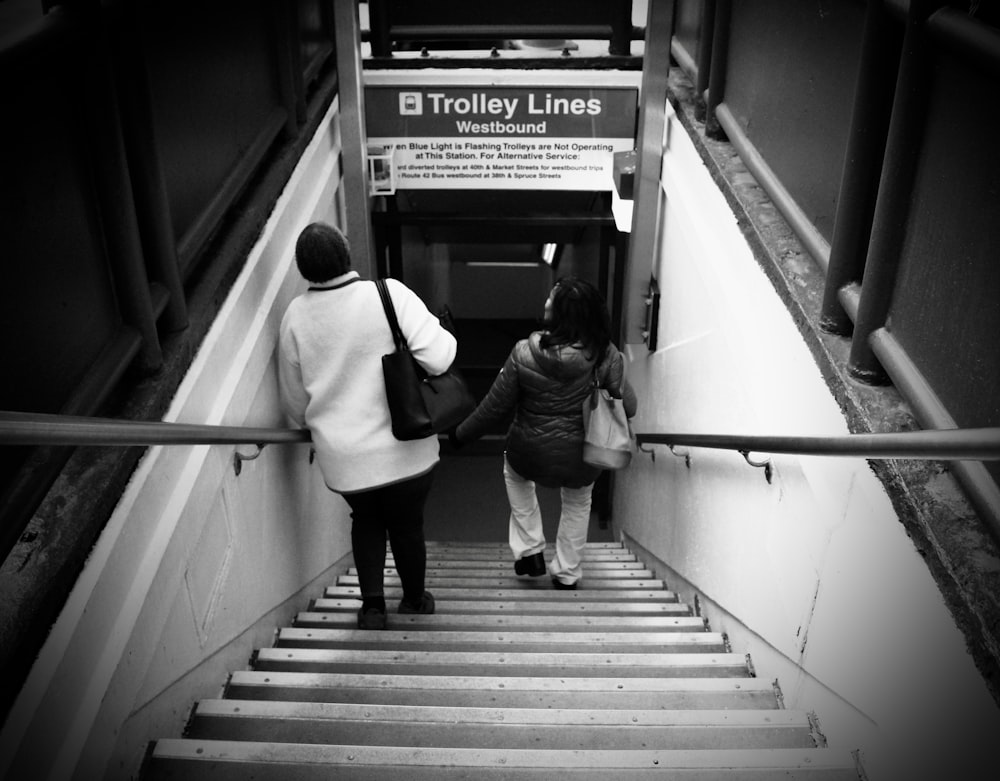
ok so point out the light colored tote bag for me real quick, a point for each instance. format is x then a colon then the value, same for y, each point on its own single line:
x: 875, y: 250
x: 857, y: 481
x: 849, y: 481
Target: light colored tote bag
x: 607, y: 441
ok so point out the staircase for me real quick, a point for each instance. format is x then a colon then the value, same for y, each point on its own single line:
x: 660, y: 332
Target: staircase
x: 510, y: 679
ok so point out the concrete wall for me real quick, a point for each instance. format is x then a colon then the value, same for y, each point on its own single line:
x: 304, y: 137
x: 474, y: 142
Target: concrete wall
x: 812, y: 574
x: 197, y: 565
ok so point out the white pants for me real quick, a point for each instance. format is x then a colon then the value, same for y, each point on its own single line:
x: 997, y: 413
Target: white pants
x: 526, y: 535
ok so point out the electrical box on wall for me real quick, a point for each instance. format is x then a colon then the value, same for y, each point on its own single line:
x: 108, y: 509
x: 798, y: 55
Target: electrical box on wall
x: 381, y: 171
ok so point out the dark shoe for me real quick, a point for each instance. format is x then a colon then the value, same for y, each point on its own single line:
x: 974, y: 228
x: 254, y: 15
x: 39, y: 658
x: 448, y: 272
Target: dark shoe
x: 372, y: 618
x: 424, y: 607
x: 533, y: 565
x: 563, y: 586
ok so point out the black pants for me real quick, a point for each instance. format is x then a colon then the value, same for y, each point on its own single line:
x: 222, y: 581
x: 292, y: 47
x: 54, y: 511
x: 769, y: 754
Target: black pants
x: 395, y: 512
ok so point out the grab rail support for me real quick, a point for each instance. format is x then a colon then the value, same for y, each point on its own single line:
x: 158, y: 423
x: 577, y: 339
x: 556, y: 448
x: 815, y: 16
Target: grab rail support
x: 970, y: 444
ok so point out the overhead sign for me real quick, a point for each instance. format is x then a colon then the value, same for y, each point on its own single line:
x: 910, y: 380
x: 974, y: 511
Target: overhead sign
x: 553, y: 138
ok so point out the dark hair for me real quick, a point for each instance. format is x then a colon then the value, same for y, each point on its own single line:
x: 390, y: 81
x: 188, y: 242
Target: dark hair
x: 322, y: 252
x: 579, y: 315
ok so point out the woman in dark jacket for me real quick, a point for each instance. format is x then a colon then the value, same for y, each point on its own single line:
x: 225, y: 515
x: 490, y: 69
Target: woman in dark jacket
x: 545, y: 381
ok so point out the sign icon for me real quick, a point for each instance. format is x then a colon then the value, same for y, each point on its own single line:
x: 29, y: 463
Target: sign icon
x: 411, y: 103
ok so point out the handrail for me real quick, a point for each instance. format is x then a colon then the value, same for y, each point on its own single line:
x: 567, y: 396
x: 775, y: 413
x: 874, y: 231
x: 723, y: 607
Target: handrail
x: 22, y: 428
x: 975, y: 444
x: 969, y: 444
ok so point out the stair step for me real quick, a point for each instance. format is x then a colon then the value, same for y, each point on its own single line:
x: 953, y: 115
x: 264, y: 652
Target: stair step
x: 503, y: 555
x: 513, y: 663
x: 530, y: 591
x: 472, y: 569
x: 347, y: 619
x: 510, y: 728
x: 509, y: 679
x: 523, y: 642
x: 513, y: 691
x: 642, y: 579
x: 565, y: 604
x: 438, y: 546
x: 224, y: 760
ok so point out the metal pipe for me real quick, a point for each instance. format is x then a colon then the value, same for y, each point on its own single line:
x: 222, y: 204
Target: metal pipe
x: 620, y: 39
x: 967, y: 38
x: 152, y: 204
x: 800, y: 223
x: 704, y: 67
x: 880, y: 50
x: 930, y: 412
x: 378, y: 26
x: 117, y: 199
x: 849, y: 296
x: 978, y: 444
x: 892, y: 205
x: 719, y: 65
x: 22, y: 428
x: 288, y: 59
x: 32, y: 40
x: 249, y: 163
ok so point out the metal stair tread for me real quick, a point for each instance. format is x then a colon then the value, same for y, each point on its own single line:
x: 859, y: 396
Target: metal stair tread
x: 471, y: 569
x: 448, y: 605
x: 510, y: 622
x: 599, y: 683
x: 447, y: 558
x: 530, y: 641
x: 503, y: 716
x: 507, y: 691
x: 602, y: 562
x: 500, y: 762
x: 498, y: 727
x: 499, y: 545
x: 530, y: 591
x: 625, y: 664
x: 514, y: 581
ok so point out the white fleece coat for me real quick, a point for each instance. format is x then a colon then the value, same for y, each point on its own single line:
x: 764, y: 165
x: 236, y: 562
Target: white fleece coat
x: 330, y: 350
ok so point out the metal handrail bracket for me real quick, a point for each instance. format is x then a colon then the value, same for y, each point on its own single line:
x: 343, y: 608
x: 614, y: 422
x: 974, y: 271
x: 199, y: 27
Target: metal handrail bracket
x: 970, y: 444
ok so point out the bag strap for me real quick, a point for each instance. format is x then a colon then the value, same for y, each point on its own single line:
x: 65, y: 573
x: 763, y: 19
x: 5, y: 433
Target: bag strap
x: 390, y: 314
x: 597, y: 383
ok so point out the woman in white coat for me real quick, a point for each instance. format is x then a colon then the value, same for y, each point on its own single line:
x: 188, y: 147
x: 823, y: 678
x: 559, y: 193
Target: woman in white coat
x: 331, y: 344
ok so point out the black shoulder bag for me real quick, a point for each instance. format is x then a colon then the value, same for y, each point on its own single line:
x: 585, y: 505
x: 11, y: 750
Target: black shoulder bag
x: 420, y: 404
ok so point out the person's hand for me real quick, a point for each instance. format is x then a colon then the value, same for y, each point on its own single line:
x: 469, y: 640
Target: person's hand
x: 454, y: 440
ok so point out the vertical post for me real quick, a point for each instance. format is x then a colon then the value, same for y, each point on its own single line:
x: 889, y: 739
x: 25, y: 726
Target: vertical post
x: 717, y: 71
x: 880, y: 52
x: 621, y: 28
x: 117, y: 199
x: 378, y: 26
x: 705, y: 38
x: 603, y: 264
x: 152, y: 203
x: 354, y: 136
x: 892, y: 205
x: 289, y: 63
x: 649, y: 161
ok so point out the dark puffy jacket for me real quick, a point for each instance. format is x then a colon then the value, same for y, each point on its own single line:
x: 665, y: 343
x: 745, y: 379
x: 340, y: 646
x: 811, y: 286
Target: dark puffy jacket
x: 546, y: 389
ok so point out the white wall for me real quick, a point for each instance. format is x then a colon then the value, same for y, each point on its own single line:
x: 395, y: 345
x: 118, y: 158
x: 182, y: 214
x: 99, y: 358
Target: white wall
x: 197, y: 565
x: 813, y: 574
